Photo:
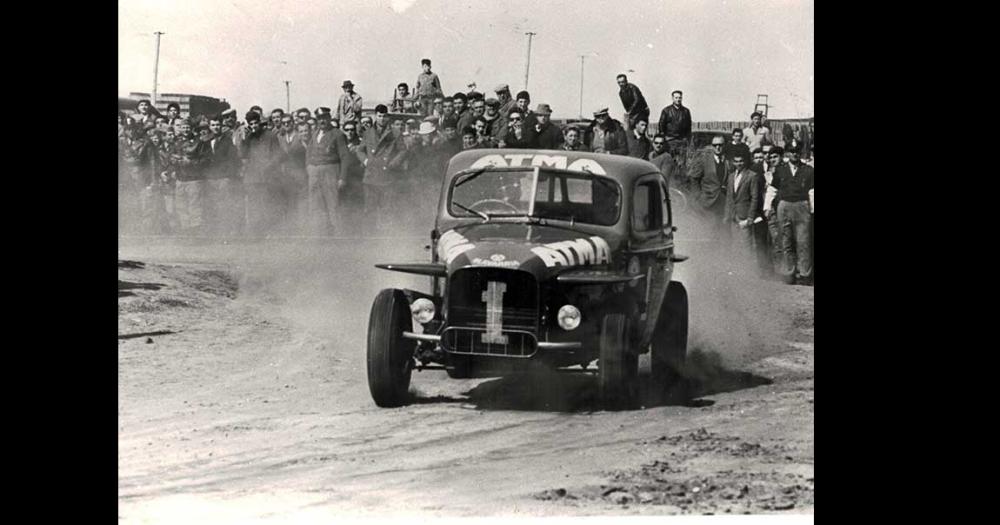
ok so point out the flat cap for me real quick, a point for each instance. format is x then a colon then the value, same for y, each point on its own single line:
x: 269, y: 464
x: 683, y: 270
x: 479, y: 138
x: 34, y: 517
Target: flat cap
x: 501, y: 88
x: 543, y: 109
x: 602, y: 111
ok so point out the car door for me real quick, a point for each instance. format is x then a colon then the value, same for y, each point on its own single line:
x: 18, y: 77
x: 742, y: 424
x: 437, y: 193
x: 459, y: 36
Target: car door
x: 650, y: 247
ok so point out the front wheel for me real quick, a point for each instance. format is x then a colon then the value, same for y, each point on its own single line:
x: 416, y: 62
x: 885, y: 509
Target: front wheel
x: 618, y: 367
x: 390, y: 356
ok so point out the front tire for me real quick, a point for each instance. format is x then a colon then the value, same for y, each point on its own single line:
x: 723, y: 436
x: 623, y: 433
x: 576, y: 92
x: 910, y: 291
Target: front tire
x: 390, y: 356
x: 619, y: 368
x: 670, y: 342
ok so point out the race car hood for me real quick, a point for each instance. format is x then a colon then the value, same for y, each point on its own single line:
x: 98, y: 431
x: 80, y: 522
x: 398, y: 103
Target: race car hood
x: 542, y: 250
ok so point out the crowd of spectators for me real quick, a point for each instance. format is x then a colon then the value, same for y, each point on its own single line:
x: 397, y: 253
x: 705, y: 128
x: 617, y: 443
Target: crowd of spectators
x: 340, y: 172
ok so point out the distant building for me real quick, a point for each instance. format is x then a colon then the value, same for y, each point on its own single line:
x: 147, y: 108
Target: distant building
x: 191, y: 105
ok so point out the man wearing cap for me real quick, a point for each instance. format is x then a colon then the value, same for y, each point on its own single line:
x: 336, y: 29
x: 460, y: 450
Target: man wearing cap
x: 634, y: 102
x: 708, y: 175
x: 609, y: 135
x: 545, y: 134
x: 638, y: 143
x: 521, y: 104
x: 349, y: 106
x: 506, y: 101
x: 324, y: 156
x: 261, y: 155
x: 675, y: 124
x: 428, y: 87
x: 756, y: 133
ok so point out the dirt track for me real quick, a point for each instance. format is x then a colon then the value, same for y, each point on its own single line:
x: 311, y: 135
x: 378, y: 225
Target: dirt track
x: 243, y: 395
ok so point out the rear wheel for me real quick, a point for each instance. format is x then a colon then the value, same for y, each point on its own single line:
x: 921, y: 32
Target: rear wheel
x: 670, y: 343
x: 618, y: 367
x: 390, y: 356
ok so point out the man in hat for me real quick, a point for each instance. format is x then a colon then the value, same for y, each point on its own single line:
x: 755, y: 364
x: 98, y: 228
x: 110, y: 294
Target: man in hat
x: 632, y: 99
x: 428, y: 87
x: 349, y: 106
x: 503, y: 95
x: 521, y: 104
x: 609, y: 135
x: 545, y: 134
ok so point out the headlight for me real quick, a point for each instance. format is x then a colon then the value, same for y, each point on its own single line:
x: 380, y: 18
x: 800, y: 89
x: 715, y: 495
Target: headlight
x: 422, y: 310
x: 569, y: 317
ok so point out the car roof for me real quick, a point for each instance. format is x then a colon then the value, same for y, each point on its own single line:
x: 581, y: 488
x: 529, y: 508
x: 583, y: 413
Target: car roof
x: 619, y: 167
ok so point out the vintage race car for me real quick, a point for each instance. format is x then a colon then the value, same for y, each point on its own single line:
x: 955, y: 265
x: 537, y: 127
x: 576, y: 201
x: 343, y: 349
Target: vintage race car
x: 539, y: 258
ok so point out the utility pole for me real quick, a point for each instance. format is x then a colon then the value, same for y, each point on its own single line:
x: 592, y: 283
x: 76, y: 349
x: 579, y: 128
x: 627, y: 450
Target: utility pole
x: 527, y: 65
x: 156, y: 67
x: 582, y: 57
x: 288, y: 98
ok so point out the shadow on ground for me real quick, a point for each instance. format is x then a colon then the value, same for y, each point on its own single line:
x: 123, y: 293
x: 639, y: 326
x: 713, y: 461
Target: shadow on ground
x: 704, y: 375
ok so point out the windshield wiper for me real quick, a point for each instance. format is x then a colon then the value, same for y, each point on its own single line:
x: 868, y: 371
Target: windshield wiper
x: 470, y: 210
x: 470, y: 177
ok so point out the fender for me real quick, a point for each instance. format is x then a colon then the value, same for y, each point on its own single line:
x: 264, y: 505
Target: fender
x: 429, y: 269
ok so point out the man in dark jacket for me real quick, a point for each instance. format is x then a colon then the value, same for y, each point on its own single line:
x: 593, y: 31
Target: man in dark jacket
x: 190, y: 156
x: 661, y: 158
x: 384, y: 173
x: 545, y: 134
x: 261, y: 155
x: 571, y: 140
x: 708, y: 175
x: 638, y: 143
x: 634, y: 102
x: 609, y: 135
x: 793, y: 181
x: 675, y: 124
x: 224, y: 192
x: 327, y: 149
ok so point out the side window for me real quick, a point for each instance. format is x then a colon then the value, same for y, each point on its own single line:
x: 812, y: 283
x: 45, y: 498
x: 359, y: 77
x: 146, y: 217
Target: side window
x: 668, y: 218
x: 646, y: 206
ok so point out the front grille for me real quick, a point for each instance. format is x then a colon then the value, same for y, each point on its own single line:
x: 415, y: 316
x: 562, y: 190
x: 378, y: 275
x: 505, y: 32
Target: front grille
x: 470, y: 341
x: 499, y: 305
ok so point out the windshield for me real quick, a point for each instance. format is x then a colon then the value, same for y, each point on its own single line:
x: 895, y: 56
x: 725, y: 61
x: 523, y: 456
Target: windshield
x: 569, y: 196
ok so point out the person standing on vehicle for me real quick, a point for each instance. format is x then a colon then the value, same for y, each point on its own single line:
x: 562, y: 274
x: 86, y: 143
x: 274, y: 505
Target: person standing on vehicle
x: 349, y: 105
x: 324, y: 161
x: 428, y: 87
x: 675, y: 124
x: 635, y: 104
x: 794, y: 181
x: 609, y: 135
x: 639, y: 145
x: 708, y: 175
x: 744, y: 209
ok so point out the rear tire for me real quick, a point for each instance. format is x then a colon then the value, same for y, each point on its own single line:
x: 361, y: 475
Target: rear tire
x: 461, y: 368
x: 390, y: 356
x: 670, y: 343
x: 618, y: 367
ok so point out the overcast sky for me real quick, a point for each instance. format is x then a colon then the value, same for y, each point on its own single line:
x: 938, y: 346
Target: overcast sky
x: 720, y: 53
